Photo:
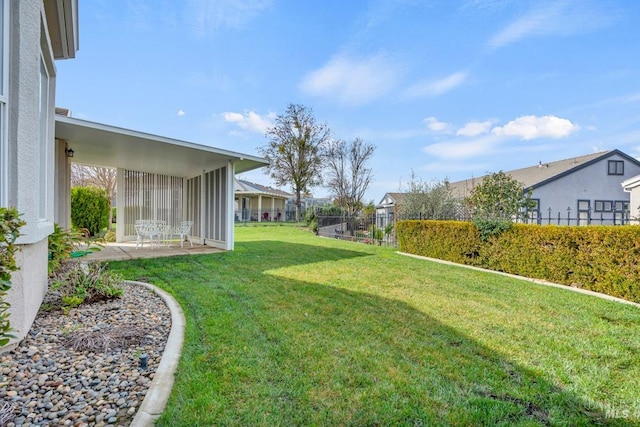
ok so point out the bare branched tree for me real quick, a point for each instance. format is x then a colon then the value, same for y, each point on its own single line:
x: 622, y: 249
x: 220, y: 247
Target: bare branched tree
x: 295, y: 150
x: 104, y: 178
x: 349, y: 176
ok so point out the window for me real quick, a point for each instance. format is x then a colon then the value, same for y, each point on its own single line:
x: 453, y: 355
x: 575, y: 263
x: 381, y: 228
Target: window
x: 533, y: 210
x: 584, y: 205
x: 621, y: 206
x: 616, y: 167
x: 44, y: 137
x: 4, y: 90
x: 603, y: 206
x: 584, y: 211
x: 621, y: 212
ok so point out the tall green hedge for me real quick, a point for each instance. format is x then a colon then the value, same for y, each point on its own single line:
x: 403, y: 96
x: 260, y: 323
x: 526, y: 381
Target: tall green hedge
x: 604, y: 259
x: 89, y: 209
x: 455, y: 241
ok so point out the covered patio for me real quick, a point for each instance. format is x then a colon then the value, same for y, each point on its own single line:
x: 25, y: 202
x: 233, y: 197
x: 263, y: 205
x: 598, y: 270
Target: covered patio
x: 127, y: 250
x: 158, y: 178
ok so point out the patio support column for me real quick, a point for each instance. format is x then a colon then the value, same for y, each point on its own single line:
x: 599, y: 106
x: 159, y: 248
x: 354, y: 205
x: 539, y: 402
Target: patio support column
x: 62, y: 185
x: 273, y: 207
x: 203, y: 208
x: 230, y: 223
x: 120, y: 208
x: 259, y: 207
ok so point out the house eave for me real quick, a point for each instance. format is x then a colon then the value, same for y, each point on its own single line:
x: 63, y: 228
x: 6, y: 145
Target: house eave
x: 103, y: 145
x: 62, y: 22
x: 631, y: 183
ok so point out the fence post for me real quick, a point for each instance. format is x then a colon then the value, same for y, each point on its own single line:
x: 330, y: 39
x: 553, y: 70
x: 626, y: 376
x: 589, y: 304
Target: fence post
x: 569, y: 217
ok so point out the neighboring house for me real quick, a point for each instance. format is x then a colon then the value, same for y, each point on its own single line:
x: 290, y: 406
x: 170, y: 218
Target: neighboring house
x: 579, y: 190
x: 387, y: 210
x: 255, y: 202
x: 586, y: 188
x: 158, y: 177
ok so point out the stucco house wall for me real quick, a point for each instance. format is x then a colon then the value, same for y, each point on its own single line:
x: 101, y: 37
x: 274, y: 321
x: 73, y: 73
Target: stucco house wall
x: 30, y: 151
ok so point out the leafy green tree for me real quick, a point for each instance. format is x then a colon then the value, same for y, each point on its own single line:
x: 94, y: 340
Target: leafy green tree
x: 499, y: 196
x: 295, y: 150
x: 349, y: 176
x: 432, y: 200
x: 89, y: 209
x: 369, y: 209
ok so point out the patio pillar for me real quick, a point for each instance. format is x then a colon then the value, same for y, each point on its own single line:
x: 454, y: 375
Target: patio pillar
x: 203, y: 208
x: 120, y: 205
x: 62, y: 185
x: 273, y: 207
x: 259, y: 207
x: 230, y: 223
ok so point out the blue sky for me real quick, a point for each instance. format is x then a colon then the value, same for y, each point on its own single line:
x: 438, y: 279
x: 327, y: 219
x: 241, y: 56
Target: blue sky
x: 447, y: 89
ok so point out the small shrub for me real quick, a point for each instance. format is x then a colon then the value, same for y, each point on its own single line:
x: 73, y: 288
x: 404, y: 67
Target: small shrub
x: 377, y: 234
x: 65, y: 244
x: 110, y: 236
x: 87, y: 283
x: 309, y: 217
x: 488, y: 228
x: 61, y: 244
x: 10, y: 224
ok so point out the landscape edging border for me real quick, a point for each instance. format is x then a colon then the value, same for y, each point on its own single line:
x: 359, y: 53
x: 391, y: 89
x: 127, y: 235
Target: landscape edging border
x: 159, y: 390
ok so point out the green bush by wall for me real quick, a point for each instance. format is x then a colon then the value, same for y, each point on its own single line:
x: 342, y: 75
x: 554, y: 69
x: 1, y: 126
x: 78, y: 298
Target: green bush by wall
x: 89, y: 209
x: 599, y: 258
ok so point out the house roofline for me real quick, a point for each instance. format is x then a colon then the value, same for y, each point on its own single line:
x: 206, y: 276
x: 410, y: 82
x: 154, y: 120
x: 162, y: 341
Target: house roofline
x: 581, y: 166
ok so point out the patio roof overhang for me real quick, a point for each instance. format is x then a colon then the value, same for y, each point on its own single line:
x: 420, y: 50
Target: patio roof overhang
x: 103, y: 145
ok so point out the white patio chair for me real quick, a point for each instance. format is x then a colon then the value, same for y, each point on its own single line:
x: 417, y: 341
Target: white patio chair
x: 147, y: 228
x: 183, y: 231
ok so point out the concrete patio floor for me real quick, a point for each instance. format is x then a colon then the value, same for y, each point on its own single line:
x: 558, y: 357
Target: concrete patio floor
x: 127, y: 250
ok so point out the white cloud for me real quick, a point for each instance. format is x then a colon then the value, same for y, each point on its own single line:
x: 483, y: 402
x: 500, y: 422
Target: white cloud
x: 555, y: 18
x: 436, y: 125
x: 181, y: 113
x: 437, y: 87
x: 459, y: 150
x: 533, y: 127
x: 474, y: 129
x: 250, y: 120
x: 207, y: 16
x: 352, y: 81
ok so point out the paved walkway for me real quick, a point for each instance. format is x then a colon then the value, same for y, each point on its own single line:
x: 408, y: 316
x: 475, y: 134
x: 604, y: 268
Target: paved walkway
x: 127, y: 250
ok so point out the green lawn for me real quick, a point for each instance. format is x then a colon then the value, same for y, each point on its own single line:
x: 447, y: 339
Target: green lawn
x: 291, y: 329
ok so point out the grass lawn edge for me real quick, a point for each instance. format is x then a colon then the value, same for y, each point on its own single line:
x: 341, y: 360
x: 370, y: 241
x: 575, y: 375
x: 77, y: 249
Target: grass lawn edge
x: 527, y: 279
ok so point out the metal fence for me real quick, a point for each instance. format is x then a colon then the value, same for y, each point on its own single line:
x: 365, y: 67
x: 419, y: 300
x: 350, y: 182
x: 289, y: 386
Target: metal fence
x: 264, y: 215
x: 379, y: 229
x: 578, y: 218
x: 362, y: 229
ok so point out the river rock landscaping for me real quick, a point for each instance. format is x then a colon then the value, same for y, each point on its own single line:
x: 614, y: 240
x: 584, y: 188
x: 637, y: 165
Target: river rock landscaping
x: 86, y: 367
